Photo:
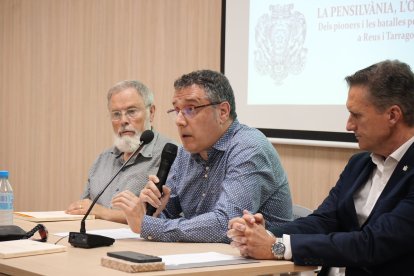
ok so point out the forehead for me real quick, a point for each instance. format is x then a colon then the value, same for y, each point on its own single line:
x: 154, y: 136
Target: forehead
x: 193, y: 94
x: 127, y: 96
x: 358, y: 97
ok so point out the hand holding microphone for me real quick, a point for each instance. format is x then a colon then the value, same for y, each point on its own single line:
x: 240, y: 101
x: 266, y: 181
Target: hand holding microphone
x: 168, y: 155
x: 133, y: 206
x: 155, y: 200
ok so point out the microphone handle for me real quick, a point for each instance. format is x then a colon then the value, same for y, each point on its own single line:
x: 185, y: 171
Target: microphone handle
x: 150, y: 209
x: 162, y: 177
x: 83, y: 229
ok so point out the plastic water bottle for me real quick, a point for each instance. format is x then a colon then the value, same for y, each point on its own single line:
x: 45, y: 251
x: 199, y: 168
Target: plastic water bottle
x: 6, y: 199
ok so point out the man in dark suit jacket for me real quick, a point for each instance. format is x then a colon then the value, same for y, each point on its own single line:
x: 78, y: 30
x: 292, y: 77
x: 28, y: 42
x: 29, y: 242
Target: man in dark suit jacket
x: 366, y: 223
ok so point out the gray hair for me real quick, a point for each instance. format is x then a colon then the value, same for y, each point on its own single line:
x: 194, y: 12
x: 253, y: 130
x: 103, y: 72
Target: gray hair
x: 141, y: 89
x: 389, y: 82
x: 216, y: 86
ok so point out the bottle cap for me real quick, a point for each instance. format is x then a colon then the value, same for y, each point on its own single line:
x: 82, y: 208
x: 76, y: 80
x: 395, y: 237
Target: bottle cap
x: 4, y: 174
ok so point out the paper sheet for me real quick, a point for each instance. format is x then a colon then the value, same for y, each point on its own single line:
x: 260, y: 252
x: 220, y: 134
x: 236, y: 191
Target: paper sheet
x: 117, y: 234
x: 48, y: 216
x: 179, y: 261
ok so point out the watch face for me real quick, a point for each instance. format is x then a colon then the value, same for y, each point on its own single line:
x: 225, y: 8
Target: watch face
x: 278, y: 250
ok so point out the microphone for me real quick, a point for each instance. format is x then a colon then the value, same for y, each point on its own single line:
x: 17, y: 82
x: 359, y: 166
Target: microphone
x: 169, y: 152
x: 81, y: 238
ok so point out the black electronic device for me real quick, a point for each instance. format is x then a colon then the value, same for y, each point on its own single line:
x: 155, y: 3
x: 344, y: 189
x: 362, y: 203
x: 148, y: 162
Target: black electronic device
x: 135, y: 257
x: 82, y: 239
x: 14, y: 232
x: 169, y: 152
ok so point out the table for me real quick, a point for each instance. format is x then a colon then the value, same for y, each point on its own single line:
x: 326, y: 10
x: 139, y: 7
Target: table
x: 79, y: 261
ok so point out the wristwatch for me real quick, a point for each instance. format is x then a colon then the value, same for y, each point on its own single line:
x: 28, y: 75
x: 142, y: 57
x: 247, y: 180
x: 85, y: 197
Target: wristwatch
x: 278, y: 249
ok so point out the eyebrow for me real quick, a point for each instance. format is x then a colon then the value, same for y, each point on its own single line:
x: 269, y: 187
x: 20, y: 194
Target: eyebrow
x: 187, y: 102
x: 128, y: 107
x: 192, y: 100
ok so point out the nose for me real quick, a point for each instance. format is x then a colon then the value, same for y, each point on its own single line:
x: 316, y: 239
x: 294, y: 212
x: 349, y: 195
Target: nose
x: 180, y: 119
x: 124, y: 119
x: 350, y: 125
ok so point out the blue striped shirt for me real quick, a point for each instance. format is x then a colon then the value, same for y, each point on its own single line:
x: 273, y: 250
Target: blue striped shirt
x: 243, y: 171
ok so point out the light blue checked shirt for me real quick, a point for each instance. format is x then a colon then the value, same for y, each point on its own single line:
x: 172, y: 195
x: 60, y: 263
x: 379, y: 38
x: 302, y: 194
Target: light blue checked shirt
x: 133, y: 177
x: 243, y: 171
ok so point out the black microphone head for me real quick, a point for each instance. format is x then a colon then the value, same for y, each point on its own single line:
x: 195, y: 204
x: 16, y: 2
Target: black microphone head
x: 169, y: 152
x: 146, y: 137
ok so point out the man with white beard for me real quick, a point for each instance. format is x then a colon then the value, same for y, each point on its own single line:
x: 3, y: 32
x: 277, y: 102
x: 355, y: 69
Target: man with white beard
x: 132, y: 109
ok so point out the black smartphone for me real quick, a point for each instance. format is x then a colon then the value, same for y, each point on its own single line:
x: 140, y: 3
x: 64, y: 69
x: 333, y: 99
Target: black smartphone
x: 134, y: 256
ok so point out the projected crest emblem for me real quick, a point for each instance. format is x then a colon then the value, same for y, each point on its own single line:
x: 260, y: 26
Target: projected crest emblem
x: 279, y: 40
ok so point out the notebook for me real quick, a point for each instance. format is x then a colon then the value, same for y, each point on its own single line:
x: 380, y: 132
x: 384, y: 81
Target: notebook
x: 20, y: 248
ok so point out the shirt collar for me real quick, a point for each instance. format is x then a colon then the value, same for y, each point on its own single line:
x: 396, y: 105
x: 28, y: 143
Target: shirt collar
x: 222, y: 143
x: 396, y: 155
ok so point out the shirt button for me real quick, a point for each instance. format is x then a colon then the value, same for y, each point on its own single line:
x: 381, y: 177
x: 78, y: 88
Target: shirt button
x: 149, y: 237
x: 204, y: 194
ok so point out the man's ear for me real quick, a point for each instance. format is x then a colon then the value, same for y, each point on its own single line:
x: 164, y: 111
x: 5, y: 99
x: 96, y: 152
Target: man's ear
x: 395, y: 114
x: 224, y: 111
x: 152, y: 113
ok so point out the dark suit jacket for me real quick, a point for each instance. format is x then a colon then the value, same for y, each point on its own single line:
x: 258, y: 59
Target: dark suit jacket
x: 331, y: 236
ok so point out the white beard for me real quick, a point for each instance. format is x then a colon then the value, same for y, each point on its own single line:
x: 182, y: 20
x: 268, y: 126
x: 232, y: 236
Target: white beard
x: 127, y: 143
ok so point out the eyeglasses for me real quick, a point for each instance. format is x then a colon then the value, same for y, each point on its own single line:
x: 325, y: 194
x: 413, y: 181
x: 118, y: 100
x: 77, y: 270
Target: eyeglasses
x: 130, y: 113
x: 188, y: 111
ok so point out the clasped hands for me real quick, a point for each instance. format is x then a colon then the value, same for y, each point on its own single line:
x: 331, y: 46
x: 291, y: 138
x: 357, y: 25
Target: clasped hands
x: 135, y: 207
x: 250, y: 237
